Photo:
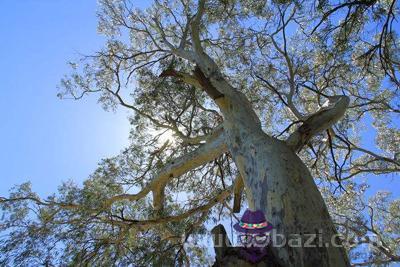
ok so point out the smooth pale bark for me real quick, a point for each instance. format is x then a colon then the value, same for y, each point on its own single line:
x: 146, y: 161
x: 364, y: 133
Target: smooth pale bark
x: 278, y: 183
x: 275, y: 179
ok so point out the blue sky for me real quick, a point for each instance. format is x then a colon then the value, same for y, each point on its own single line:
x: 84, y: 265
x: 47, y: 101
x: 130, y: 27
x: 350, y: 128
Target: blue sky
x: 44, y: 139
x: 47, y: 140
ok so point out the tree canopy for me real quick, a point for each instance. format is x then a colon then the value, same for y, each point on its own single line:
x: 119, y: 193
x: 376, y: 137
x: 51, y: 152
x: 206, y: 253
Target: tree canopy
x: 177, y: 177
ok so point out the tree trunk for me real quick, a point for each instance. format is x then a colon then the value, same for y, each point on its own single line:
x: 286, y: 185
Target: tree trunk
x: 278, y: 183
x: 276, y: 180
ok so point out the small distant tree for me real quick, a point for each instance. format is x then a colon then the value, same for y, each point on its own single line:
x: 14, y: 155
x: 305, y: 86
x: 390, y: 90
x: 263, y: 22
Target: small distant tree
x: 265, y: 97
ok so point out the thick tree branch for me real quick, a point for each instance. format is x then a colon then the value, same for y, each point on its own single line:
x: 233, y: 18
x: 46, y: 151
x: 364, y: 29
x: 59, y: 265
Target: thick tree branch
x: 214, y: 147
x: 332, y: 111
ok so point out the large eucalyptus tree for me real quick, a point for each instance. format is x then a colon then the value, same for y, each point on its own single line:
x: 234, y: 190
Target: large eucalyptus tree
x: 226, y: 95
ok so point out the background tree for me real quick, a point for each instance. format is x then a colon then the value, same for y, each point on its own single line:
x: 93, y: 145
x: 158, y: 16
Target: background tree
x: 226, y: 96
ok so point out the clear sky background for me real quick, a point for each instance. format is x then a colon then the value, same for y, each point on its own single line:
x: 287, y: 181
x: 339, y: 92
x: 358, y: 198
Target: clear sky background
x: 44, y: 139
x: 47, y: 140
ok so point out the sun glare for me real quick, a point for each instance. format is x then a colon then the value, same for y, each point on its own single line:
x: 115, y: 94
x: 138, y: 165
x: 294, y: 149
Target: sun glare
x: 164, y: 136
